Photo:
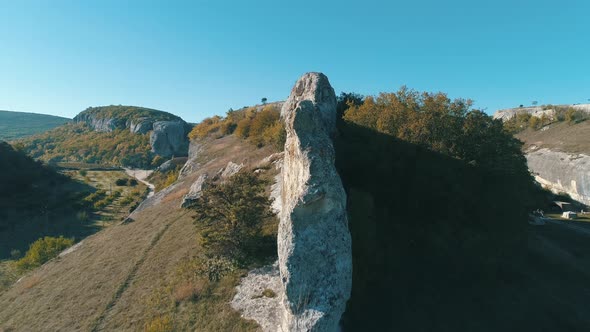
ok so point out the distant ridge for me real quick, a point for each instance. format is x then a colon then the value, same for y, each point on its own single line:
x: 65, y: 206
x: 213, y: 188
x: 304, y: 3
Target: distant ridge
x: 15, y: 125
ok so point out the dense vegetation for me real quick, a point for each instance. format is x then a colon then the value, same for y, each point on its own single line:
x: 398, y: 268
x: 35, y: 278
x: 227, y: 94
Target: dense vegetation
x: 43, y: 250
x: 230, y: 216
x: 76, y: 142
x: 261, y: 126
x: 15, y: 125
x: 525, y: 120
x: 127, y: 113
x: 438, y: 218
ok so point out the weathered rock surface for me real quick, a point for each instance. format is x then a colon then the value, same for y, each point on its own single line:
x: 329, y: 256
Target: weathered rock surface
x: 191, y: 164
x: 536, y: 111
x: 100, y: 124
x: 140, y: 126
x: 314, y: 243
x: 194, y: 191
x: 167, y: 166
x: 258, y: 297
x: 169, y: 138
x: 229, y: 170
x: 562, y: 172
x: 316, y: 88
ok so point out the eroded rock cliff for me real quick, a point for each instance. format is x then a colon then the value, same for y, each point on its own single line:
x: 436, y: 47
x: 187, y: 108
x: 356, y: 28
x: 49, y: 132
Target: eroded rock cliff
x: 314, y: 244
x: 561, y: 172
x: 168, y: 133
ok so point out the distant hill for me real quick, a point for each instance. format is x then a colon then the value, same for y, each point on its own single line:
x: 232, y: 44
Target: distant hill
x: 113, y: 135
x: 36, y: 201
x: 15, y: 125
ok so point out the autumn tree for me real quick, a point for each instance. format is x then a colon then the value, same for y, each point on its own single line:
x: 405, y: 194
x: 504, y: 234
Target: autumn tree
x: 230, y: 214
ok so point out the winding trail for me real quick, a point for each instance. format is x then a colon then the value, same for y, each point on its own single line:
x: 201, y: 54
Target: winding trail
x: 141, y: 175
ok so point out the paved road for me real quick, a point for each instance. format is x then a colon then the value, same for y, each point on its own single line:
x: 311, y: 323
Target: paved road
x: 571, y: 225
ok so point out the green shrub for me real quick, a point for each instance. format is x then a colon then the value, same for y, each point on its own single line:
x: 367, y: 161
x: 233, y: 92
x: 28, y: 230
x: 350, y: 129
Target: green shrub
x: 43, y: 250
x: 229, y: 216
x: 122, y: 182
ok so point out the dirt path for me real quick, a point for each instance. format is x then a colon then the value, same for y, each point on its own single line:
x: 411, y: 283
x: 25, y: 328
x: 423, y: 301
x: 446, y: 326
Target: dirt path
x: 141, y: 175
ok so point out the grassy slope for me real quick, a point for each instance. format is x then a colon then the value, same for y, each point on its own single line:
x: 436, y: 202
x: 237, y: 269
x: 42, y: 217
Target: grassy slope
x: 560, y: 136
x: 15, y: 125
x: 105, y: 283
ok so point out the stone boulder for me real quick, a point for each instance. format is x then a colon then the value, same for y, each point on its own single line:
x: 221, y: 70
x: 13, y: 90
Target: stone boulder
x: 167, y: 166
x: 314, y: 245
x: 169, y: 138
x: 194, y: 191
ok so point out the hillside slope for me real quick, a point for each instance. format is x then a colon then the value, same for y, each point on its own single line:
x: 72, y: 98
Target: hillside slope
x: 15, y: 125
x: 117, y: 279
x: 36, y: 201
x: 559, y: 156
x: 113, y: 135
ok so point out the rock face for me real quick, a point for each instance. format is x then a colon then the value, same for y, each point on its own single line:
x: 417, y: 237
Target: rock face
x: 194, y: 191
x: 168, y: 133
x: 169, y: 138
x: 100, y: 124
x: 562, y: 172
x: 536, y: 111
x: 191, y: 164
x: 314, y: 244
x: 141, y: 126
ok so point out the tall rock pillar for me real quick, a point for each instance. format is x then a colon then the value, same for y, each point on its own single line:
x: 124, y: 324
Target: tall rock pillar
x: 314, y: 243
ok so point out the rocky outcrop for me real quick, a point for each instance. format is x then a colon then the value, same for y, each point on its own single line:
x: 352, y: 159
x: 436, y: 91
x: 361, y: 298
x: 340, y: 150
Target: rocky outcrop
x: 100, y: 124
x: 561, y: 172
x: 537, y: 111
x: 169, y: 138
x: 228, y: 171
x: 314, y: 244
x: 140, y: 126
x: 168, y: 133
x: 195, y: 191
x: 192, y: 163
x: 167, y: 166
x: 258, y: 297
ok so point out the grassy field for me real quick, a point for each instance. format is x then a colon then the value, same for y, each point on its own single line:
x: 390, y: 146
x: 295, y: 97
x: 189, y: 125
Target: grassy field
x: 84, y: 223
x: 121, y: 206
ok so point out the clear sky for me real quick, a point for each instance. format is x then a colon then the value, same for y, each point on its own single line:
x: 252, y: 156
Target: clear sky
x: 199, y: 58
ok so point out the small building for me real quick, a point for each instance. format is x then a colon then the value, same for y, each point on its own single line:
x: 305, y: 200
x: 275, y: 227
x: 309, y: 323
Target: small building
x: 569, y: 215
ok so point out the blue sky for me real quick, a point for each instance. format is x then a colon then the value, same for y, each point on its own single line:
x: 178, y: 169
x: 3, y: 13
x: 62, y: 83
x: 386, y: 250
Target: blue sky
x: 199, y: 58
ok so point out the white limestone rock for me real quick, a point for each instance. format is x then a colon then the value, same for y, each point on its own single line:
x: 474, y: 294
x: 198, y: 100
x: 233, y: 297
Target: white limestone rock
x: 195, y: 191
x: 258, y: 297
x: 314, y: 244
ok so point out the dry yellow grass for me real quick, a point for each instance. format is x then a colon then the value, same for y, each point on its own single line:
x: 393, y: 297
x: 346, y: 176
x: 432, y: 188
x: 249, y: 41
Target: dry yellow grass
x: 104, y: 284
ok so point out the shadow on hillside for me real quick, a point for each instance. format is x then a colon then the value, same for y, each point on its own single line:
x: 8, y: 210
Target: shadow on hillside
x: 35, y: 201
x: 436, y: 242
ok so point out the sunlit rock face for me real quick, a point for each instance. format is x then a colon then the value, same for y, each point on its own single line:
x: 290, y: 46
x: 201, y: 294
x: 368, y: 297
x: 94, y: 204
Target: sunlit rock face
x: 168, y: 138
x: 313, y: 242
x: 561, y: 172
